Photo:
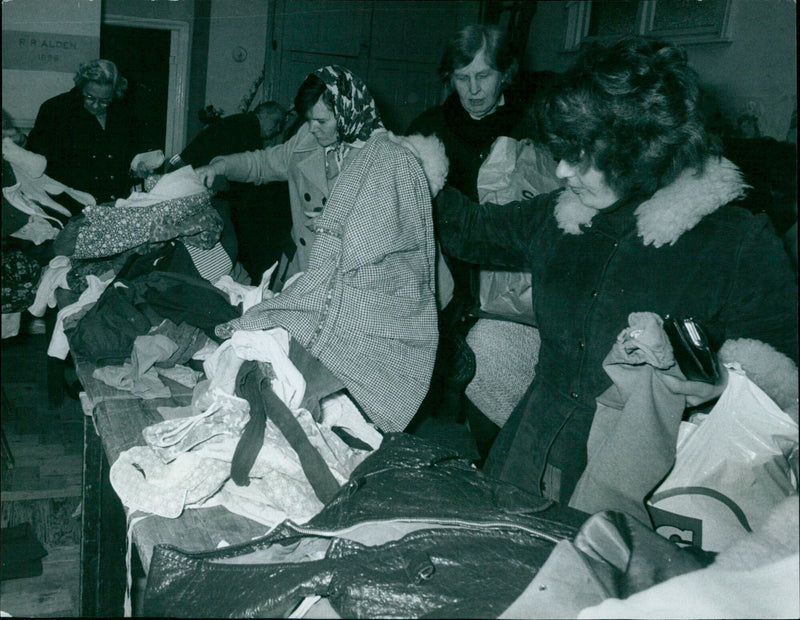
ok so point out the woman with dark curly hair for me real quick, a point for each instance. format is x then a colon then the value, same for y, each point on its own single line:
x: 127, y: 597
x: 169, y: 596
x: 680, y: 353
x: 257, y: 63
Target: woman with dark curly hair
x: 644, y: 224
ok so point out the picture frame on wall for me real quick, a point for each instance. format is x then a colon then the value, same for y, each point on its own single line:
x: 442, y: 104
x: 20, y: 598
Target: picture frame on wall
x: 679, y: 21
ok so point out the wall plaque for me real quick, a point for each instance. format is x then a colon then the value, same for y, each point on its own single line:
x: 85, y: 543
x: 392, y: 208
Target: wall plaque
x: 47, y: 51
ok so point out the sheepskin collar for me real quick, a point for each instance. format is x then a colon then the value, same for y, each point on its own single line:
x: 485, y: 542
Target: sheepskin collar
x: 672, y: 210
x: 430, y: 152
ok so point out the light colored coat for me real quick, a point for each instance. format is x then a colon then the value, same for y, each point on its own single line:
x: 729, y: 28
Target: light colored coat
x: 300, y: 161
x: 366, y: 305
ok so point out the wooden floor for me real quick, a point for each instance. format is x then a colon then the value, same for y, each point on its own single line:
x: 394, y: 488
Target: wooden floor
x: 44, y: 486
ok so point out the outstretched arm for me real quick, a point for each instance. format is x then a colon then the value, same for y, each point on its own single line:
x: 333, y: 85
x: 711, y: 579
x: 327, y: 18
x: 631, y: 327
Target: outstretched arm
x: 489, y: 234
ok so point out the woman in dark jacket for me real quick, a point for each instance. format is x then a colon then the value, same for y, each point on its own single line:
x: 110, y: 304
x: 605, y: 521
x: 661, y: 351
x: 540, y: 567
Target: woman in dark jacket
x: 644, y: 225
x: 89, y: 135
x: 479, y: 65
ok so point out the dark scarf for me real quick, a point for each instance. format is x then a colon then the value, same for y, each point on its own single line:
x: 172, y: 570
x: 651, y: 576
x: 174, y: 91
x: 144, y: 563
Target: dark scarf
x: 481, y: 133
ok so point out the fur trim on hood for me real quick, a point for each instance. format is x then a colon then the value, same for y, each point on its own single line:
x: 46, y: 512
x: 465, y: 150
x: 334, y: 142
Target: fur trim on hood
x: 768, y: 368
x: 672, y: 210
x: 429, y: 150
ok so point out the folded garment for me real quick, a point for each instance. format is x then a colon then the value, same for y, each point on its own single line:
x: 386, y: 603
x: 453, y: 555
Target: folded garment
x: 21, y: 552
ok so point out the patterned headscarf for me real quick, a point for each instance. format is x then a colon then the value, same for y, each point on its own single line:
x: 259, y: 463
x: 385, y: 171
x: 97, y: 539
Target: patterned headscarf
x: 356, y: 114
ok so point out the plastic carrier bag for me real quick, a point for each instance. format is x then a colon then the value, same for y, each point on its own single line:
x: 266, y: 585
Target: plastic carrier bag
x: 730, y: 470
x: 513, y: 170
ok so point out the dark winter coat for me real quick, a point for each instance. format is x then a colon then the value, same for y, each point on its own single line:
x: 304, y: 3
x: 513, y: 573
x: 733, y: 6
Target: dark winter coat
x: 233, y: 134
x: 681, y: 251
x: 467, y: 143
x: 79, y: 152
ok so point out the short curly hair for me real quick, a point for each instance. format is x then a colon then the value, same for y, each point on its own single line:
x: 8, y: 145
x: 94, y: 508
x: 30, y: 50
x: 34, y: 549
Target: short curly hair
x: 632, y: 109
x: 102, y: 72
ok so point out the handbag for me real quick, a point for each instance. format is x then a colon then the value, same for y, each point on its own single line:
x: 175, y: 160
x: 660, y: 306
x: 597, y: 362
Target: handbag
x: 692, y: 349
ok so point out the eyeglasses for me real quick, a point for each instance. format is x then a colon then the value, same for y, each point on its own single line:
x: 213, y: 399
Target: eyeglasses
x: 103, y: 103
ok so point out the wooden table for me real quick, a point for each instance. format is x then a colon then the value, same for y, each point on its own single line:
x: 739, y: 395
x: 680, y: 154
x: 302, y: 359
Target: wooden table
x: 113, y: 424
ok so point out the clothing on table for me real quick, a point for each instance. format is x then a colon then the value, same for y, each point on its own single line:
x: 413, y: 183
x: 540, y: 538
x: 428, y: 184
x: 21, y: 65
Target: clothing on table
x: 188, y: 461
x: 59, y: 345
x: 141, y: 297
x: 177, y: 206
x: 80, y: 152
x: 53, y: 277
x: 682, y: 251
x: 140, y: 375
x: 301, y: 160
x: 380, y: 534
x: 260, y: 214
x: 365, y: 306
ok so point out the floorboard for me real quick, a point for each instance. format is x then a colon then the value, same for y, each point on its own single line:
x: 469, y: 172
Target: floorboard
x: 44, y: 486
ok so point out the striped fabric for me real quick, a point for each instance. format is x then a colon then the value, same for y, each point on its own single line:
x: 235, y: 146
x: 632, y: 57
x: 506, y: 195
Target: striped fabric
x: 366, y: 305
x: 211, y: 264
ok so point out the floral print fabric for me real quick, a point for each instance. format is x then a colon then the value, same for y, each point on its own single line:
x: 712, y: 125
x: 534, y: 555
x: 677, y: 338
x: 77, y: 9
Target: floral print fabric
x: 109, y: 229
x: 20, y: 279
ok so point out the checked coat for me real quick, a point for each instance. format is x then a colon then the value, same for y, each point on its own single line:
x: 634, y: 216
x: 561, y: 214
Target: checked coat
x: 366, y: 305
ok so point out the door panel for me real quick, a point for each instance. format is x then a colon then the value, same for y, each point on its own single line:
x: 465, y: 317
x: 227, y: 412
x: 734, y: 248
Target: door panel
x: 403, y: 91
x: 414, y: 31
x: 394, y: 45
x: 315, y: 33
x: 139, y: 54
x: 325, y: 26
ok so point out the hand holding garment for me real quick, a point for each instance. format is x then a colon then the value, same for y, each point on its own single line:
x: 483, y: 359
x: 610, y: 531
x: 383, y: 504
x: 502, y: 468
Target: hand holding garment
x: 631, y: 445
x: 32, y: 194
x: 681, y: 251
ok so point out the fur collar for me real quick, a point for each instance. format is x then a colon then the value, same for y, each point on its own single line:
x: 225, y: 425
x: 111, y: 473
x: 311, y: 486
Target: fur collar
x: 672, y: 210
x: 429, y: 151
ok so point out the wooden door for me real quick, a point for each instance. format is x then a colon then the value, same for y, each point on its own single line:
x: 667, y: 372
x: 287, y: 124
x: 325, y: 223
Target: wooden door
x: 394, y: 45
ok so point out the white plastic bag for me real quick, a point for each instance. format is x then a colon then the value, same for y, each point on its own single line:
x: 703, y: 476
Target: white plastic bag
x: 513, y: 170
x: 730, y: 471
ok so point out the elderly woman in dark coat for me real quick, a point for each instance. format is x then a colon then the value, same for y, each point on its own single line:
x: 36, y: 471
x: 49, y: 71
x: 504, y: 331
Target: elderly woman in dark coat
x: 89, y: 135
x: 479, y: 66
x: 644, y: 224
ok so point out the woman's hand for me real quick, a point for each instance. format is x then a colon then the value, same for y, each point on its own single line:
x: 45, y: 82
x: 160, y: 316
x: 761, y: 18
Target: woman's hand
x: 208, y: 174
x: 142, y: 170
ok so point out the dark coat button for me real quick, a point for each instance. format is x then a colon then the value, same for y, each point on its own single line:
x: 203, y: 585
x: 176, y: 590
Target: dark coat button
x: 307, y: 196
x: 324, y: 200
x: 302, y: 241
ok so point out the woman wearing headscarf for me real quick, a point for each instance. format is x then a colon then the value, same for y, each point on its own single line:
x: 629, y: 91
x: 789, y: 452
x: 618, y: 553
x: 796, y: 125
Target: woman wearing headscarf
x: 340, y: 116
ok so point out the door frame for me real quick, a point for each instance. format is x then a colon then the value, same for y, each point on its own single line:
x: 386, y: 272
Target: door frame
x: 179, y: 55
